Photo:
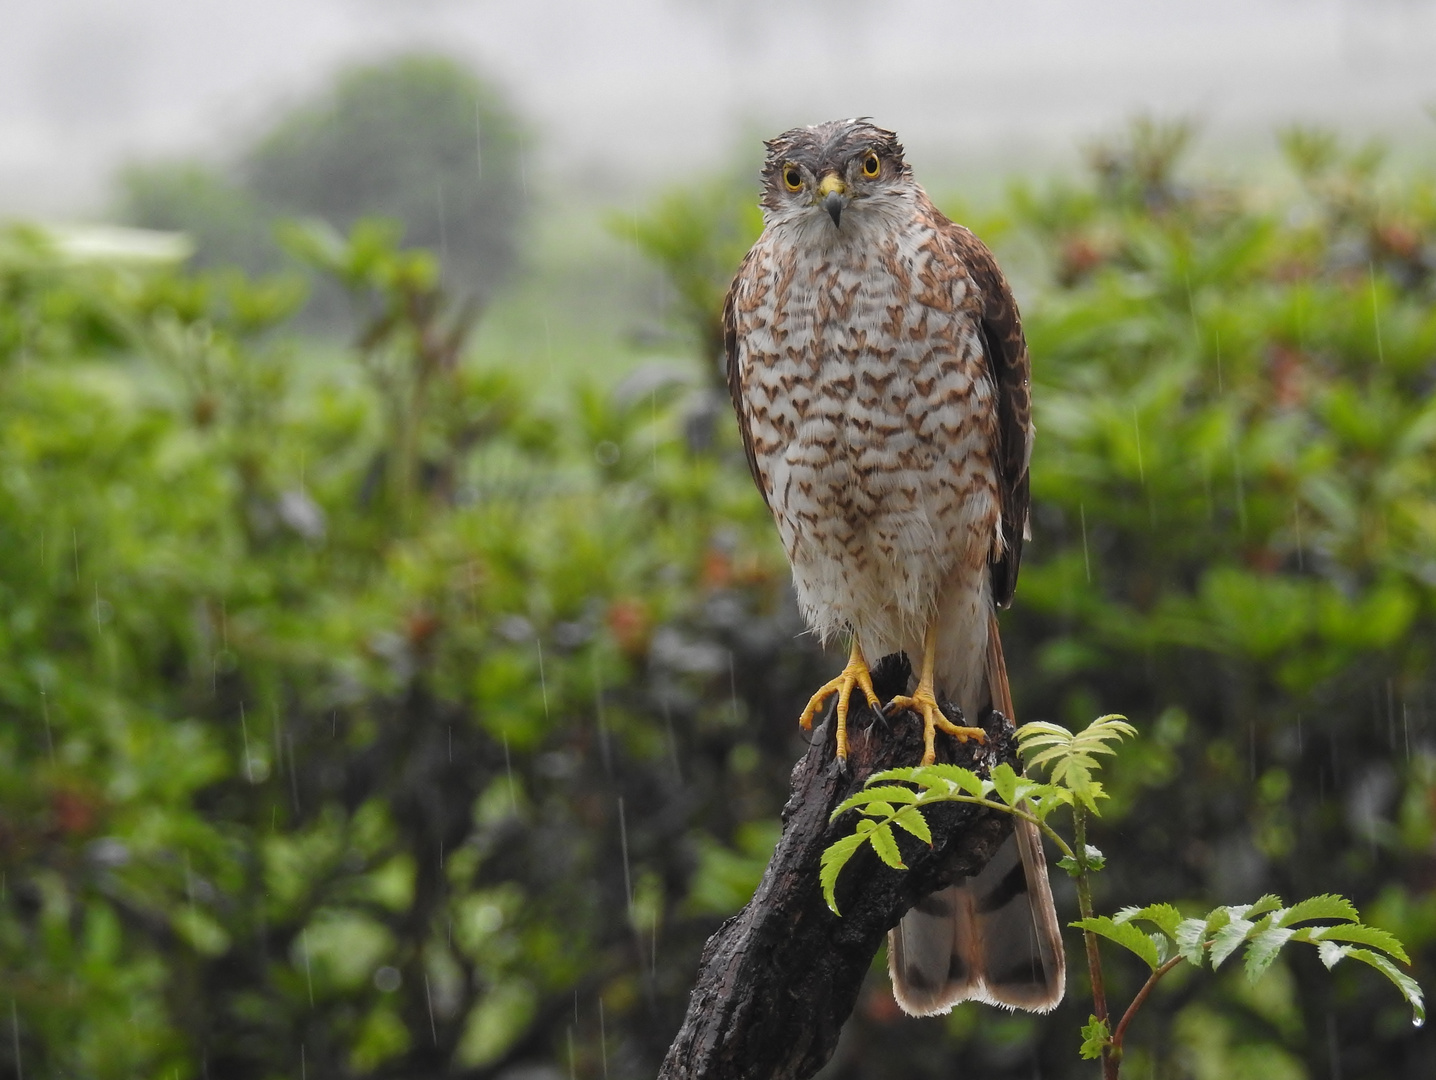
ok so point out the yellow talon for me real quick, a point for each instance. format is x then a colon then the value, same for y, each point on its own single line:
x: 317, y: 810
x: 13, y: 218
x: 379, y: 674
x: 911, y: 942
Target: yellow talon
x: 855, y: 673
x: 923, y: 701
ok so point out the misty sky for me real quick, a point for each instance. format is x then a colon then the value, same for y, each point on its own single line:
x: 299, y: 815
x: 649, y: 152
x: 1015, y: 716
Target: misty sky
x: 637, y: 92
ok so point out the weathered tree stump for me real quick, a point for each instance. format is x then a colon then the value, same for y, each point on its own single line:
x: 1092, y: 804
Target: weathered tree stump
x: 778, y: 980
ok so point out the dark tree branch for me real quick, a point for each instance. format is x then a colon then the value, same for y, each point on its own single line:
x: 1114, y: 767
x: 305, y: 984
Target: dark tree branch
x: 778, y: 980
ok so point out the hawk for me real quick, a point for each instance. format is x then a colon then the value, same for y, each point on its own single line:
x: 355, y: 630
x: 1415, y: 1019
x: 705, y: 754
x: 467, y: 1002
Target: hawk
x: 880, y: 375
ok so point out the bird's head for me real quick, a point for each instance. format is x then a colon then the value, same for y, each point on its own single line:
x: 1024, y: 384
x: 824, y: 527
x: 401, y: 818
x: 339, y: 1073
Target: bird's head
x: 833, y: 172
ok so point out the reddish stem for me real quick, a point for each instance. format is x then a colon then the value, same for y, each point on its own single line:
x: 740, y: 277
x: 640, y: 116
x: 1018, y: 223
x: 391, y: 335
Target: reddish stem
x: 1137, y: 1004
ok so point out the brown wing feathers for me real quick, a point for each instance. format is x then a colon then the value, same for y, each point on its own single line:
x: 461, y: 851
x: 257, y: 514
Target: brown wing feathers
x: 994, y: 937
x: 1011, y: 370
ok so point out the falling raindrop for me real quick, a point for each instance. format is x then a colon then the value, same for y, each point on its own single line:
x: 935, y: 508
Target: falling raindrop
x: 1300, y: 548
x: 732, y: 688
x: 1406, y: 728
x: 623, y: 840
x: 523, y: 170
x: 1137, y: 429
x: 509, y: 771
x: 1086, y: 558
x: 602, y: 1040
x: 75, y: 540
x: 1217, y: 341
x: 1376, y: 315
x: 603, y: 748
x: 293, y: 774
x: 15, y: 1035
x: 443, y: 224
x: 303, y: 1065
x: 672, y: 739
x: 1390, y: 715
x: 49, y: 735
x: 244, y: 734
x: 548, y: 346
x: 429, y: 997
x: 308, y: 973
x: 479, y: 142
x: 1240, y: 482
x: 543, y: 682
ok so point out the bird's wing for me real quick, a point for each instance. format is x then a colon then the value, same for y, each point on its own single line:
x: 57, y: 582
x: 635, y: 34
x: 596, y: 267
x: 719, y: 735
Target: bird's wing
x: 1010, y: 369
x: 735, y: 376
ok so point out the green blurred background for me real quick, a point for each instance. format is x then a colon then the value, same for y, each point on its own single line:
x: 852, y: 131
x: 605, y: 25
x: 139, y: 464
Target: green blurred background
x: 399, y: 671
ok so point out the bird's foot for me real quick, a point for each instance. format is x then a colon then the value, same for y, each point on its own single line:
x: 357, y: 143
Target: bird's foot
x: 924, y: 703
x: 853, y: 676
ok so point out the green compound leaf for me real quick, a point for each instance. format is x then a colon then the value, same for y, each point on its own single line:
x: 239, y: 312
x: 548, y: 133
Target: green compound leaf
x: 1327, y: 906
x: 1095, y: 1037
x: 1072, y: 757
x: 834, y: 859
x: 1229, y: 939
x: 1164, y: 916
x: 885, y: 844
x: 1125, y: 935
x: 888, y: 793
x: 910, y: 819
x: 1191, y: 939
x: 1262, y: 950
x: 1403, y: 982
x: 1004, y: 782
x: 1362, y: 935
x: 944, y: 778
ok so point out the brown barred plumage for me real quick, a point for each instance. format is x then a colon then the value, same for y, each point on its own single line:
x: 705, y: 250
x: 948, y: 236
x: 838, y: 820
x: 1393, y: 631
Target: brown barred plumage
x: 880, y: 375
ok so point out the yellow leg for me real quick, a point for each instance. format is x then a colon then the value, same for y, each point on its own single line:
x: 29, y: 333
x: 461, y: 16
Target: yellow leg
x: 855, y: 674
x: 923, y: 701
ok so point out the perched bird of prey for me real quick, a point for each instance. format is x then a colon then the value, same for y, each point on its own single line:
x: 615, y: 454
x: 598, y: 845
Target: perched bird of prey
x: 880, y: 376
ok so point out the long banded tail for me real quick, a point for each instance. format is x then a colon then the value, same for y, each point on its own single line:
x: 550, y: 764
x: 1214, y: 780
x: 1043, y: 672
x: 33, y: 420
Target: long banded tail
x: 994, y: 937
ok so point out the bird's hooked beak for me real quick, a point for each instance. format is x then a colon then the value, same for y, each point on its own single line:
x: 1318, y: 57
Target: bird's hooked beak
x: 833, y: 194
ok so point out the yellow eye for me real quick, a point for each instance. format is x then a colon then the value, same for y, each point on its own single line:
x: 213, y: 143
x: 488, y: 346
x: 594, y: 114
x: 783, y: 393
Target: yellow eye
x: 792, y: 178
x: 871, y: 165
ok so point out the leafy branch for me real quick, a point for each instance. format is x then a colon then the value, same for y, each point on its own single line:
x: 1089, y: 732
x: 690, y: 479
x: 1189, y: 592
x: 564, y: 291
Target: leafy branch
x: 895, y: 798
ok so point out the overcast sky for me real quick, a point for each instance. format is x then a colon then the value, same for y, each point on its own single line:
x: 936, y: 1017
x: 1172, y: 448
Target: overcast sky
x: 643, y: 91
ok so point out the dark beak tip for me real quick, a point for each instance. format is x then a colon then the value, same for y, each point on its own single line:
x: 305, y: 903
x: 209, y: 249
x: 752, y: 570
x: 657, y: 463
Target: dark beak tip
x: 833, y: 204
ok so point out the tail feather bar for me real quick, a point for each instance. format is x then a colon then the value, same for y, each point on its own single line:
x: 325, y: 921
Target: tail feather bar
x: 994, y: 937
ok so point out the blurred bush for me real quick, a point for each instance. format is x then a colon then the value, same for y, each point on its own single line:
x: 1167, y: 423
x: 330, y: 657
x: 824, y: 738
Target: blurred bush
x: 361, y: 718
x: 417, y: 139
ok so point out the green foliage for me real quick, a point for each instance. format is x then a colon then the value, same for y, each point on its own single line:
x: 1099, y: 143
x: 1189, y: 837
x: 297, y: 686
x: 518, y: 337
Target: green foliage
x: 280, y: 654
x: 698, y: 235
x: 1264, y: 928
x: 344, y: 693
x: 1069, y: 756
x: 417, y: 139
x: 1096, y: 1035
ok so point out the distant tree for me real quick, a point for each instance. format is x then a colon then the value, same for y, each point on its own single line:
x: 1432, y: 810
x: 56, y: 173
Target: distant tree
x: 228, y: 225
x: 419, y: 139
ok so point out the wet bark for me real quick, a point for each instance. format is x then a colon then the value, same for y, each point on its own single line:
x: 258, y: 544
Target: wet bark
x: 778, y: 980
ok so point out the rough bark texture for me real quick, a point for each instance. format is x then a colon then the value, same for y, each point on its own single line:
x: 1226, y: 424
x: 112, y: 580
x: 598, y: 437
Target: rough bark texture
x: 778, y: 980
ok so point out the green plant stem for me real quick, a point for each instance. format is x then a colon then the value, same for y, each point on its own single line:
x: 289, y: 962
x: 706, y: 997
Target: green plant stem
x: 1136, y: 1004
x: 1111, y: 1053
